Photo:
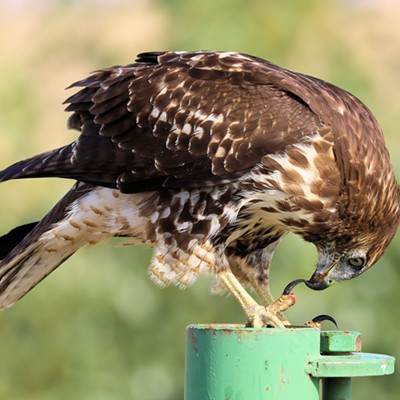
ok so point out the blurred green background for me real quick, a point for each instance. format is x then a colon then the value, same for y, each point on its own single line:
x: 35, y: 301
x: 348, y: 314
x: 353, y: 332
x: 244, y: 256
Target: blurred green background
x: 98, y: 328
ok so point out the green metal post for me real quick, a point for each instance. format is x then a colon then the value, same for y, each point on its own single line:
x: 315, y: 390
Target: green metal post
x: 336, y: 388
x: 231, y: 362
x: 336, y: 343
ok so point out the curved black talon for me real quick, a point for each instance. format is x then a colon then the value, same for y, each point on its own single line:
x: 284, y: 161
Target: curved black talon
x: 312, y: 285
x: 289, y: 287
x: 324, y: 317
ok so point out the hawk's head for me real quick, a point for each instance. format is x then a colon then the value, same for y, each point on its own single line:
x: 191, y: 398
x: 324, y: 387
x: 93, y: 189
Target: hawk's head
x: 356, y: 246
x: 359, y: 196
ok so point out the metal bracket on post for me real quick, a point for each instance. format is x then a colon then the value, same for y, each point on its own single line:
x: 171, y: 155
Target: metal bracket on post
x: 232, y: 362
x: 341, y: 359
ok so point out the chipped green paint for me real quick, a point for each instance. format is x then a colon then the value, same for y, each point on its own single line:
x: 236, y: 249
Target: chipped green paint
x: 230, y: 362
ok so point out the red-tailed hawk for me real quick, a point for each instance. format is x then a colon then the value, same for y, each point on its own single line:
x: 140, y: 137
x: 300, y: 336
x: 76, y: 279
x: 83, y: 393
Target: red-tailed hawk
x: 212, y: 157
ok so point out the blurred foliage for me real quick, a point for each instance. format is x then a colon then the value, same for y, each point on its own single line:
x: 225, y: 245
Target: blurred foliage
x: 98, y: 328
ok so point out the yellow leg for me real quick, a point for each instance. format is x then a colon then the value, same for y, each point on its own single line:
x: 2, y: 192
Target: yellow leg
x: 257, y: 316
x: 263, y: 293
x: 267, y: 299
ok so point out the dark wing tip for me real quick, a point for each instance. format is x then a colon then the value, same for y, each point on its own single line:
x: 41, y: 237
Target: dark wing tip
x: 14, y: 237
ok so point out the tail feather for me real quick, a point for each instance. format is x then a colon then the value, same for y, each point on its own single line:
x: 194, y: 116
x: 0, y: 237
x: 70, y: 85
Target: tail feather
x: 25, y: 272
x: 33, y: 258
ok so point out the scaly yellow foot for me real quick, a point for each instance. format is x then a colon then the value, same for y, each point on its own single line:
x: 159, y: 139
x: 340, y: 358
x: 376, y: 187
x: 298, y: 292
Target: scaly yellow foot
x: 258, y: 316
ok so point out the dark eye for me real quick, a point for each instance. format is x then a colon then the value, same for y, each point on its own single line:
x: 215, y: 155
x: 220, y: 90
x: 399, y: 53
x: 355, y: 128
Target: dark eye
x: 356, y: 262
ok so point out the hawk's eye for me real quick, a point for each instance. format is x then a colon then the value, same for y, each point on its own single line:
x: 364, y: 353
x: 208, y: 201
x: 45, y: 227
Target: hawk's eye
x: 356, y: 262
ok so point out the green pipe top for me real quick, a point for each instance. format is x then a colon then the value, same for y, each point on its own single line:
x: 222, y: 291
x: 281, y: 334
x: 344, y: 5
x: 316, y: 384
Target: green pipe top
x: 339, y: 351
